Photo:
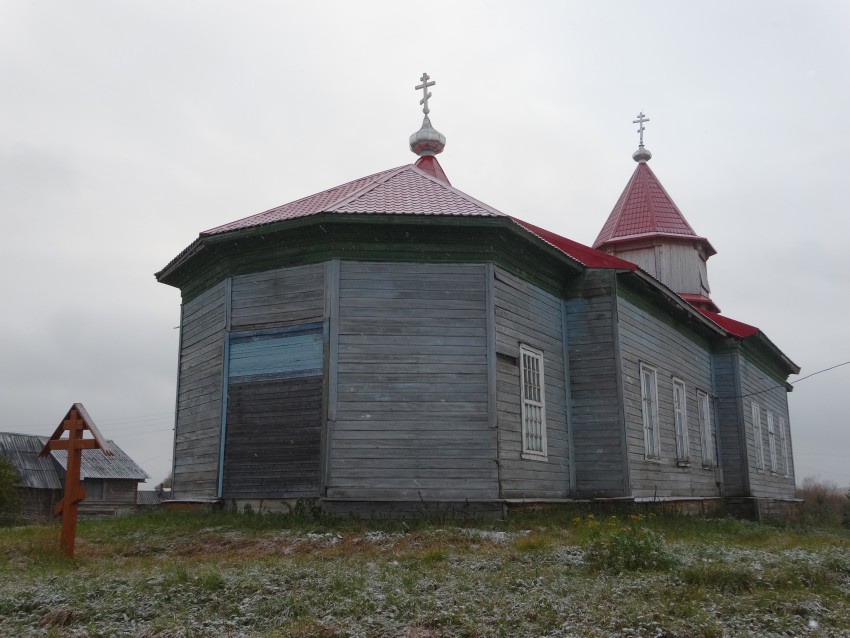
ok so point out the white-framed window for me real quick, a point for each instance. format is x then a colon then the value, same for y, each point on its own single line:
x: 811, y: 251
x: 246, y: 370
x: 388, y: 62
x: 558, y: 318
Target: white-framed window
x: 533, y: 403
x: 771, y: 441
x: 783, y: 443
x: 757, y: 436
x: 649, y: 397
x: 680, y: 420
x: 708, y: 430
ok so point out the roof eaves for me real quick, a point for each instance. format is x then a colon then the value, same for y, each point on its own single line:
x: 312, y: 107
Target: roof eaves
x: 745, y: 332
x: 601, y: 260
x: 652, y: 235
x: 183, y: 256
x: 680, y: 303
x: 767, y: 343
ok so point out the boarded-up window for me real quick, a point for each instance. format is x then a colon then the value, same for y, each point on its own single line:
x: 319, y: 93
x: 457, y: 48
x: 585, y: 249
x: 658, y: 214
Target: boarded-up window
x: 757, y: 436
x: 708, y: 430
x: 274, y: 413
x: 533, y: 403
x: 649, y: 396
x: 680, y: 421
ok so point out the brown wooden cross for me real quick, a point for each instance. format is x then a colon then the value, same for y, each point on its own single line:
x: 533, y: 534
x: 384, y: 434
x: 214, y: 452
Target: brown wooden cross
x: 76, y: 422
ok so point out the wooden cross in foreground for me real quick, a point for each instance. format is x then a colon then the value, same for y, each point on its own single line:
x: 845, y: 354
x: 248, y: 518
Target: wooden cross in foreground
x: 76, y: 422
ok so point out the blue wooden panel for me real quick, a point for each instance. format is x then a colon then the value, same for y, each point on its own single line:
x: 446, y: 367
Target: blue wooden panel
x: 267, y: 356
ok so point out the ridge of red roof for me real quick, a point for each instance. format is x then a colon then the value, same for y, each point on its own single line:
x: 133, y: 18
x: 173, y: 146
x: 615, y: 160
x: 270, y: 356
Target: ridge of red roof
x: 733, y: 327
x: 583, y: 254
x: 645, y: 209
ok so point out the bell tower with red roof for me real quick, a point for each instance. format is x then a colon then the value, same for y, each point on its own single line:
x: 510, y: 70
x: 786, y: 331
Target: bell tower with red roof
x: 648, y: 229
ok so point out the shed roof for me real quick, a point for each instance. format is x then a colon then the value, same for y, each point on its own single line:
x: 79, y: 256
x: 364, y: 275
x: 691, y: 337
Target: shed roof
x: 33, y: 471
x: 47, y: 472
x: 97, y: 465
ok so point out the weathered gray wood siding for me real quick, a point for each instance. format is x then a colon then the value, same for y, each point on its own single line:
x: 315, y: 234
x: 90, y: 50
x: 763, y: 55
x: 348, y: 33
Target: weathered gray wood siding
x: 678, y: 266
x: 597, y: 409
x: 272, y: 441
x: 279, y: 297
x: 118, y: 499
x: 275, y: 384
x: 410, y: 420
x: 729, y: 410
x: 199, y: 398
x: 767, y: 390
x: 525, y: 314
x: 648, y: 336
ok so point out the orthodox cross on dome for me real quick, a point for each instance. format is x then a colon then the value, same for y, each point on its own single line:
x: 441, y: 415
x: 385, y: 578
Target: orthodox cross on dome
x: 427, y: 141
x: 641, y: 119
x: 642, y: 154
x: 425, y: 92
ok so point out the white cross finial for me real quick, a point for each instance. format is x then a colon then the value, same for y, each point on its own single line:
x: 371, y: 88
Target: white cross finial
x: 641, y: 119
x: 425, y: 93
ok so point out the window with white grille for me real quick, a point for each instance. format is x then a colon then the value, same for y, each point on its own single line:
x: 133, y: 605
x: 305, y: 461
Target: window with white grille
x: 783, y: 442
x: 680, y: 420
x: 757, y: 436
x: 771, y: 441
x: 533, y: 403
x: 708, y: 430
x: 649, y: 396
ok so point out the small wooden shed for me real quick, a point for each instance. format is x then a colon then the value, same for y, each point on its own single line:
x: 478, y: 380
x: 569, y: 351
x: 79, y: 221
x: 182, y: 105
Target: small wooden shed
x: 111, y: 482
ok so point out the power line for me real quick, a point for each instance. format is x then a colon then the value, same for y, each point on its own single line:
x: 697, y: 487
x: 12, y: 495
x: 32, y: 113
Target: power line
x: 776, y: 387
x: 819, y: 372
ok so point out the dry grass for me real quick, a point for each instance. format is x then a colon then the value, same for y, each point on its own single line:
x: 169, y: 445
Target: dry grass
x: 222, y: 575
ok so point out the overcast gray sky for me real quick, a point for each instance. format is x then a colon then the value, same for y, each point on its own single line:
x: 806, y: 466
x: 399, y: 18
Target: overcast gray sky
x: 128, y: 127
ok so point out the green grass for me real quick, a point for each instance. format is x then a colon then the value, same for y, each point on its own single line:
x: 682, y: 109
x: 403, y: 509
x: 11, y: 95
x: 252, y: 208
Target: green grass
x: 227, y: 574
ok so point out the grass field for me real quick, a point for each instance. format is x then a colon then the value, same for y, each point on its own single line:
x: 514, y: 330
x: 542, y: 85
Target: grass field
x: 550, y: 574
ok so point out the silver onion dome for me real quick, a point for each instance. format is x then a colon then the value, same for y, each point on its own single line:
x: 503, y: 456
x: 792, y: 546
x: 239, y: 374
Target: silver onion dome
x: 427, y: 140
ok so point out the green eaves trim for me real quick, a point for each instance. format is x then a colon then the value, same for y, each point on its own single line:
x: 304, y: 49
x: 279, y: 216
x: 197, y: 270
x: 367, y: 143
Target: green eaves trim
x: 166, y: 275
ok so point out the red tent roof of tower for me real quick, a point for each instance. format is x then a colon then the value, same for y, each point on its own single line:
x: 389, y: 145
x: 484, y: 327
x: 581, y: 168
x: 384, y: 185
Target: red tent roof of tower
x: 646, y: 210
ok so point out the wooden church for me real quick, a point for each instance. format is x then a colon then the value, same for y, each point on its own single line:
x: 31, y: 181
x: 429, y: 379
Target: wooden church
x: 393, y: 345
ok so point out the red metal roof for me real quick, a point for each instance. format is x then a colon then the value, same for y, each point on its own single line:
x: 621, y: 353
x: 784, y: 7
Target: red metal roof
x: 644, y: 210
x: 735, y: 328
x: 406, y: 190
x: 699, y: 300
x: 414, y: 189
x: 430, y: 165
x: 583, y: 254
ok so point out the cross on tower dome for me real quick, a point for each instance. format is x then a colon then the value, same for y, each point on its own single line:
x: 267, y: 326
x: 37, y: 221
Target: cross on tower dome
x: 642, y: 154
x: 427, y: 141
x: 425, y: 92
